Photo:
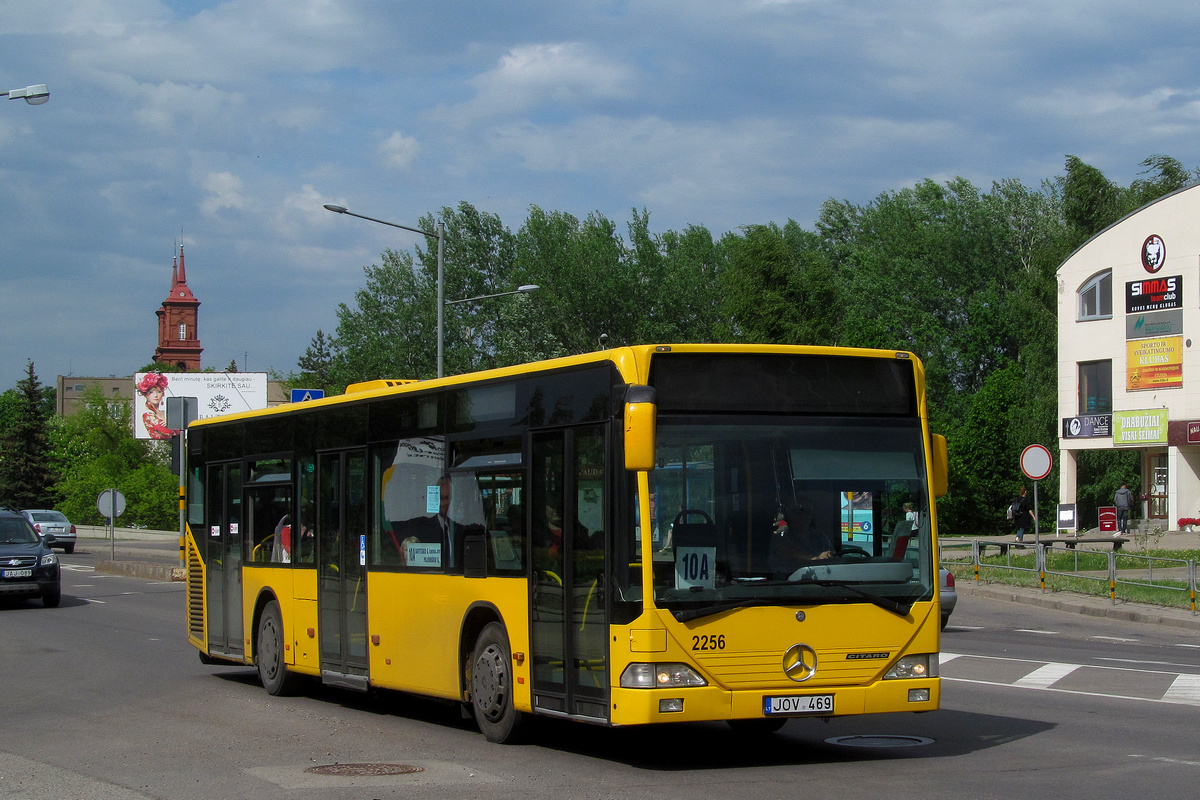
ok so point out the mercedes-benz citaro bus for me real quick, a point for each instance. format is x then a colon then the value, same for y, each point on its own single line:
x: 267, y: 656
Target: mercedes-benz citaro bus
x: 643, y: 535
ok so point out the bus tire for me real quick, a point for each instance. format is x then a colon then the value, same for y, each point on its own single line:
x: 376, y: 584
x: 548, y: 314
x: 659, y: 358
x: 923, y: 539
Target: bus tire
x: 492, y: 686
x: 268, y: 656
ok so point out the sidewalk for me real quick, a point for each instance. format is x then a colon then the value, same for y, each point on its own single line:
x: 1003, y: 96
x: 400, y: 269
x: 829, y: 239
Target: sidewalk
x: 1088, y: 605
x: 139, y: 553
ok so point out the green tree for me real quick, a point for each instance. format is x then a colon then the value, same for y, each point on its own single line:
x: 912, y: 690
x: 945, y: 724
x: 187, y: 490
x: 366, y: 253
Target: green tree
x: 389, y: 333
x: 778, y: 287
x: 316, y: 365
x: 98, y: 451
x: 1092, y: 202
x: 25, y: 479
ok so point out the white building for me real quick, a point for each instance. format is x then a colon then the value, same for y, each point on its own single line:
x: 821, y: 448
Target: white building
x: 1128, y: 374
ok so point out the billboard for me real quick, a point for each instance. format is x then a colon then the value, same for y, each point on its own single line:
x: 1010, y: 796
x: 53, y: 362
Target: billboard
x: 1140, y: 427
x: 1154, y: 294
x: 216, y: 393
x: 1154, y: 363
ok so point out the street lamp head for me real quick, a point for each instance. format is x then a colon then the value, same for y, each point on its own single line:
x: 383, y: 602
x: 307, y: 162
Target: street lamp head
x: 336, y: 209
x: 34, y: 95
x: 528, y: 287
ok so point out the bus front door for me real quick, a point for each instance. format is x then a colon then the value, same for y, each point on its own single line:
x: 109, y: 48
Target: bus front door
x: 223, y: 525
x: 570, y: 622
x: 341, y: 568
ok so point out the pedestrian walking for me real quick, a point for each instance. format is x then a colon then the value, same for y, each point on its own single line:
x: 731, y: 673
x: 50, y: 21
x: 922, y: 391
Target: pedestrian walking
x: 1022, y: 514
x: 1123, y: 500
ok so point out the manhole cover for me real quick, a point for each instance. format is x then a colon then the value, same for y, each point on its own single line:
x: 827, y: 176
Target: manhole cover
x: 364, y: 769
x: 879, y: 741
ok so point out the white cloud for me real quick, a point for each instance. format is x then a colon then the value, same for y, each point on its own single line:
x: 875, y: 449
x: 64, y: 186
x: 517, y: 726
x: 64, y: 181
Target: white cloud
x: 224, y: 191
x: 533, y: 76
x: 398, y: 151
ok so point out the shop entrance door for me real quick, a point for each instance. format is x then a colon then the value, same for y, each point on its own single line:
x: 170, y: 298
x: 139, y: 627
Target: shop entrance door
x: 1156, y: 501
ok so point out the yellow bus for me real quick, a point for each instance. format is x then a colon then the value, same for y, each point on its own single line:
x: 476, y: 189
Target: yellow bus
x: 648, y: 534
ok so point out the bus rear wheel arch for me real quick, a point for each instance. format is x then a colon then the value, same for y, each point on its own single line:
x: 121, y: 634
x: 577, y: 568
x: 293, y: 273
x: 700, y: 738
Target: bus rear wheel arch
x: 492, y: 685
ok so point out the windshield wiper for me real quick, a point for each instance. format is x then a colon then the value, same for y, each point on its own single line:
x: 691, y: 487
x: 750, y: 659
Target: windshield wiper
x: 689, y: 614
x: 886, y: 603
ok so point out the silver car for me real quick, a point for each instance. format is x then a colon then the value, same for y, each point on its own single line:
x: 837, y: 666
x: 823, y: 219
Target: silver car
x: 948, y: 597
x: 46, y: 521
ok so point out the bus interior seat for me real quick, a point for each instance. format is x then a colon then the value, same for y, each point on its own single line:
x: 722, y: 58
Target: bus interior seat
x: 898, y: 544
x: 694, y: 534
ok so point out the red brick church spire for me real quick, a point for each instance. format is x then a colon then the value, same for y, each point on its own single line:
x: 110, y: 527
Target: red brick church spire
x: 178, y: 334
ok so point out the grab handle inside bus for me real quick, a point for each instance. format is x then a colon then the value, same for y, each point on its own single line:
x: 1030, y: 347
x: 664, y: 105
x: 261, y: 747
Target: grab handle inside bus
x: 941, y: 465
x: 641, y: 412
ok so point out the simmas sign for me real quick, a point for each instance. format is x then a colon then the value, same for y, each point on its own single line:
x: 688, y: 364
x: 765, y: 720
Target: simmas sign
x: 1154, y: 294
x: 216, y: 393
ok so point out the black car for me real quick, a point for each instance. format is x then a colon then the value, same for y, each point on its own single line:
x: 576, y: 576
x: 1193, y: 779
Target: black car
x: 28, y: 567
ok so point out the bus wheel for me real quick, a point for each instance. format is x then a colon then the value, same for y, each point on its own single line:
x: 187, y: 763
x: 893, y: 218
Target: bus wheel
x: 272, y: 670
x: 757, y: 727
x: 492, y: 686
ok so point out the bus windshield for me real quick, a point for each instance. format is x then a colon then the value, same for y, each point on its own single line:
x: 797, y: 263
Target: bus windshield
x: 788, y: 511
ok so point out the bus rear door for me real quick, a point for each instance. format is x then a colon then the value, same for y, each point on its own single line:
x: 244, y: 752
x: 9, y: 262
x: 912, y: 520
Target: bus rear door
x: 341, y: 568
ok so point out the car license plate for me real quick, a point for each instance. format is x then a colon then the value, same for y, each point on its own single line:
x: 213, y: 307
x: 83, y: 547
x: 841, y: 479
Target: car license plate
x: 783, y: 705
x: 18, y: 573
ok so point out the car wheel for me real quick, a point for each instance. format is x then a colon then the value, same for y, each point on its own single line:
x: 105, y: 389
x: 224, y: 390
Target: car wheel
x: 492, y: 686
x: 945, y: 620
x: 52, y: 599
x: 68, y: 549
x: 272, y: 670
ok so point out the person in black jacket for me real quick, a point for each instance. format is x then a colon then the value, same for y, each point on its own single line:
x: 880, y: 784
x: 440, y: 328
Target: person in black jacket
x: 1023, y: 516
x: 1123, y: 500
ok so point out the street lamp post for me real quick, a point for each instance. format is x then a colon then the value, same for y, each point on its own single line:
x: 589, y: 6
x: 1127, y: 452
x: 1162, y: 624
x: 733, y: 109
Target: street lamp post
x: 441, y: 305
x: 526, y: 289
x: 34, y: 95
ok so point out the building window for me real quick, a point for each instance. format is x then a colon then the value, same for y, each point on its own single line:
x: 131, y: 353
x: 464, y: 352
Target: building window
x: 182, y: 331
x: 1095, y: 387
x: 1095, y: 297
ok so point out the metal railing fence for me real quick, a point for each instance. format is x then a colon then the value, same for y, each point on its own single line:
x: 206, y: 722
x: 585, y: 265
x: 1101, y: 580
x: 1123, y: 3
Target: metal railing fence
x: 1116, y: 569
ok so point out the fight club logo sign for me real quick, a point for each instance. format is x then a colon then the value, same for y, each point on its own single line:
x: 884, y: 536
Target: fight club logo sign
x: 1154, y: 253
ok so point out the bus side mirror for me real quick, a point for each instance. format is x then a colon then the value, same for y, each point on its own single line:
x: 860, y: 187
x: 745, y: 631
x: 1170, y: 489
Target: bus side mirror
x: 641, y: 414
x: 941, y: 465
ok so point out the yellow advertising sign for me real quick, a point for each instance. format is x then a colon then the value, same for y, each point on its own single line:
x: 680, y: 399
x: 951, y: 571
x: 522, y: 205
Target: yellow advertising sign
x: 1154, y: 363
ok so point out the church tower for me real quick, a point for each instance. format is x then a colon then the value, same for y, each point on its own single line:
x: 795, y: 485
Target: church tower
x: 178, y: 334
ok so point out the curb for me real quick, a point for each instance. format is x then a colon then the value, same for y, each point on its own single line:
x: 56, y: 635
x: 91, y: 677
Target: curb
x: 1083, y: 604
x: 142, y: 569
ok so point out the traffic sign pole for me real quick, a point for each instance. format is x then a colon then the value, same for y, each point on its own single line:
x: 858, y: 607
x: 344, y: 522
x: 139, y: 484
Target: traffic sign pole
x: 1036, y: 463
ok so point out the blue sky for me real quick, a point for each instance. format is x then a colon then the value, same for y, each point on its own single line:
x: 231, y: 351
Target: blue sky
x: 227, y: 126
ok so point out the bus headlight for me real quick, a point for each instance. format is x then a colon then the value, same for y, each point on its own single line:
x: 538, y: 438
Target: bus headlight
x: 660, y: 676
x: 922, y: 666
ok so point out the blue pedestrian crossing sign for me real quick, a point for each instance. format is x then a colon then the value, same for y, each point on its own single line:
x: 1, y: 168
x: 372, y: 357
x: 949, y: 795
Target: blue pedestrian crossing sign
x: 300, y: 395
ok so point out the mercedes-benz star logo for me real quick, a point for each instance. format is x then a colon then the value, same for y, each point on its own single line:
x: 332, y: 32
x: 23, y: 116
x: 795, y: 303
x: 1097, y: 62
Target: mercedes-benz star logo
x: 800, y: 662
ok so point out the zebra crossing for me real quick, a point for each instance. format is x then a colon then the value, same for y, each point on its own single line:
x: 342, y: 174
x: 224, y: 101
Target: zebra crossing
x: 1149, y: 682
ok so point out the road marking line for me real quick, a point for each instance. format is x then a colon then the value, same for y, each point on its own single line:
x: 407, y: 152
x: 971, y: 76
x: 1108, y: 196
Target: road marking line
x: 1034, y: 630
x: 1166, y: 760
x: 1185, y: 689
x: 101, y: 602
x: 1046, y: 675
x: 1071, y: 691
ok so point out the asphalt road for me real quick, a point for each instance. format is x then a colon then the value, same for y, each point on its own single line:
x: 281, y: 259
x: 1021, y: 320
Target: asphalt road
x: 104, y: 699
